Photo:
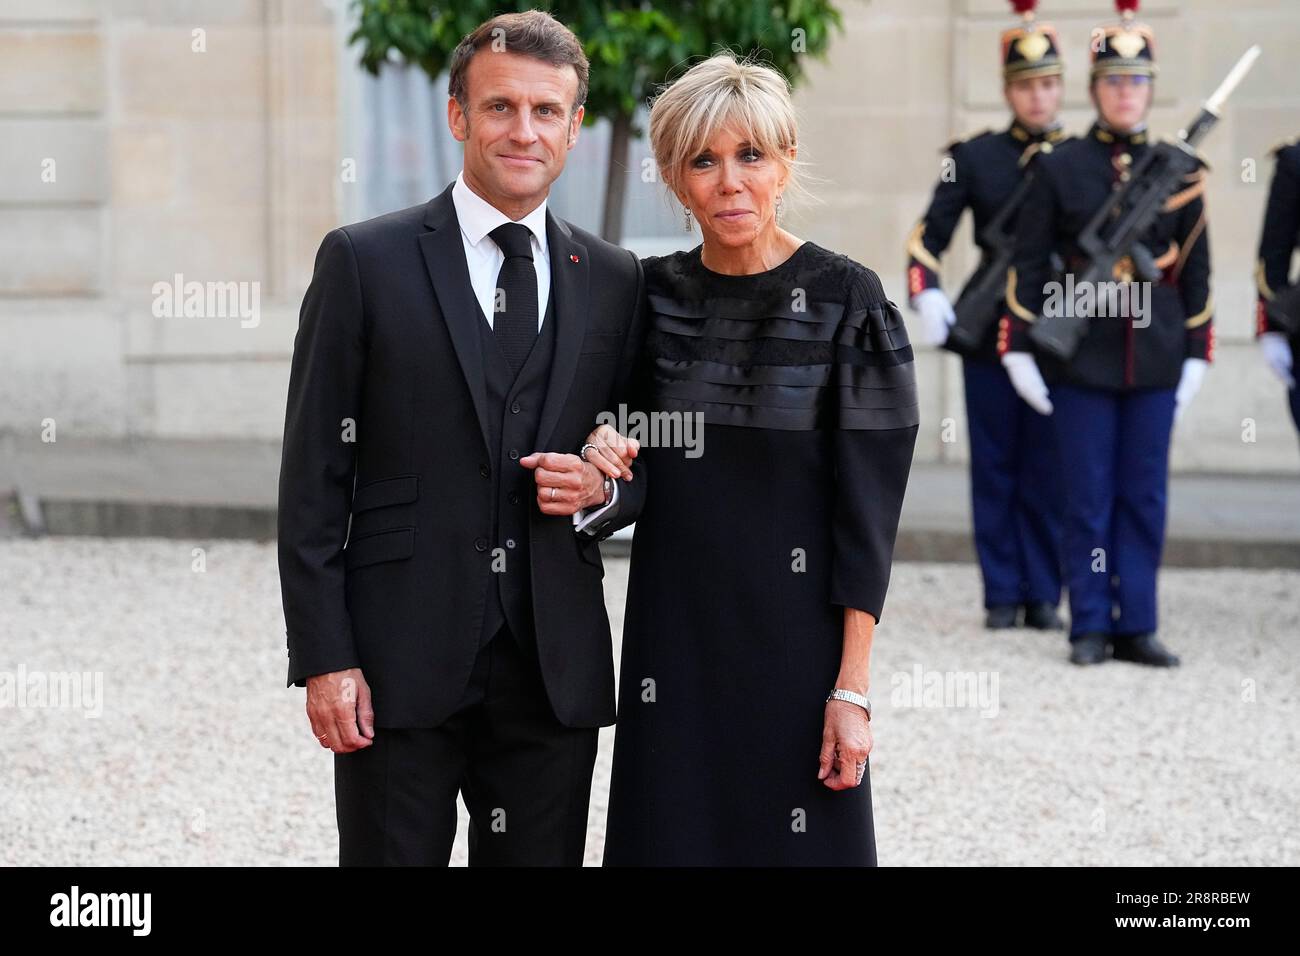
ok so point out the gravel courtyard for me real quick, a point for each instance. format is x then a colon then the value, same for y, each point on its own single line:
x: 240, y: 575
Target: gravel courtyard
x: 197, y: 754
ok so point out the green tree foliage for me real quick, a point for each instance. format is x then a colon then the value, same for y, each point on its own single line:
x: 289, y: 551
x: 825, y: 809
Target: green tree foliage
x: 633, y: 47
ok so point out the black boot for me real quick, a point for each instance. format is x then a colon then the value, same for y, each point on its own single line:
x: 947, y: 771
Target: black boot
x: 1001, y: 616
x: 1143, y: 649
x: 1089, y: 648
x: 1042, y: 615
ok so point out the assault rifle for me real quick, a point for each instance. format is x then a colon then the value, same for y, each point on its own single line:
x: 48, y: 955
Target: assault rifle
x: 1114, y: 231
x: 976, y: 308
x: 1284, y: 308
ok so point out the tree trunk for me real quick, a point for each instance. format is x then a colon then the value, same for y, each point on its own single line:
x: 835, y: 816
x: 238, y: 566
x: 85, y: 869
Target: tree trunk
x: 620, y: 132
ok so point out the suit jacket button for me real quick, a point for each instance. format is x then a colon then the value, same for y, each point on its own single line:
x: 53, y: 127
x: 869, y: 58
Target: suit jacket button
x: 515, y: 408
x: 514, y: 454
x: 513, y: 498
x: 480, y: 544
x: 484, y: 470
x: 510, y: 542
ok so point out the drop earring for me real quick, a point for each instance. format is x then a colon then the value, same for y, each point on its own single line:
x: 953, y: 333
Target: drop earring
x: 687, y: 217
x: 778, y: 208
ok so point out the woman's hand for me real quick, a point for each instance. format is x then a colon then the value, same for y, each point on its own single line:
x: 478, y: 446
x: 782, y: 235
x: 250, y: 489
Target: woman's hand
x: 613, y: 453
x: 846, y: 742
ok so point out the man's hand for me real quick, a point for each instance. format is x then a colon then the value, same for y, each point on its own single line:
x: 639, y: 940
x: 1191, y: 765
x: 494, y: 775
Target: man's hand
x: 565, y: 483
x: 337, y: 704
x: 613, y: 453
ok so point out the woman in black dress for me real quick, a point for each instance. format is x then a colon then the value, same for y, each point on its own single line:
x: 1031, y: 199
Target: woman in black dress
x: 762, y: 554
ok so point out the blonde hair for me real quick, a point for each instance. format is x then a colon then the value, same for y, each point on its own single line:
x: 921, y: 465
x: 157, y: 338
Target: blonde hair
x: 715, y: 94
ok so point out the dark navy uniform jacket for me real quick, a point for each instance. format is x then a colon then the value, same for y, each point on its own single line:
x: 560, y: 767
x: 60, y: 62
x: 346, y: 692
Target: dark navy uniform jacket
x: 1124, y: 351
x: 1280, y: 237
x: 985, y: 173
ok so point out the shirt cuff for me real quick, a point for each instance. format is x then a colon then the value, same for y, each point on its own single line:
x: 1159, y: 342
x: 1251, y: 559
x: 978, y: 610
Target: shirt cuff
x: 584, y: 517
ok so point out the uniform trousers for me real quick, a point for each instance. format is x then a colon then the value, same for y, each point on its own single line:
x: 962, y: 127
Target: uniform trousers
x: 1115, y: 456
x: 1016, y: 491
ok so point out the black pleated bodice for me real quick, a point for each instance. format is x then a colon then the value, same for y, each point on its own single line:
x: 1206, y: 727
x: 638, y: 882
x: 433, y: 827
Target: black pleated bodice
x: 811, y: 343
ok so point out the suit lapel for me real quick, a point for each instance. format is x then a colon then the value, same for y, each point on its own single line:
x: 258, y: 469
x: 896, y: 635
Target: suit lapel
x: 569, y: 289
x: 444, y: 257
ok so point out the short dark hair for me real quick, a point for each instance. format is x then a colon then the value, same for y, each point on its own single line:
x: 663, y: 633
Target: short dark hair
x: 532, y: 33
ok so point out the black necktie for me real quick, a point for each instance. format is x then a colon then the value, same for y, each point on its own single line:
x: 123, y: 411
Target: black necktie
x: 515, y: 304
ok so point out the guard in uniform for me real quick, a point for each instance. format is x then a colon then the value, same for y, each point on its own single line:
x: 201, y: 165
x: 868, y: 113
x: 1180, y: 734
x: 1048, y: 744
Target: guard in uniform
x: 1016, y: 494
x: 1280, y: 238
x: 1114, y: 402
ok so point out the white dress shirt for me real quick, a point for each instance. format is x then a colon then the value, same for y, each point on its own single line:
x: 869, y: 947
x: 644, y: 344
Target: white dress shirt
x: 477, y: 218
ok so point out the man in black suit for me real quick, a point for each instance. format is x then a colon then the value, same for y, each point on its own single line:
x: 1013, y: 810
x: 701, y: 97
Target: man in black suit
x: 439, y: 565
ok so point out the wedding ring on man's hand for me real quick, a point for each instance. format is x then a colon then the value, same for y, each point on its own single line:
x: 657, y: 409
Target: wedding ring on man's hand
x: 552, y: 493
x: 582, y: 452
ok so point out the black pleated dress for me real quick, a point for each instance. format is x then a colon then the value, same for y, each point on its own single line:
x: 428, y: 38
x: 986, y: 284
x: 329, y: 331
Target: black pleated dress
x: 746, y: 552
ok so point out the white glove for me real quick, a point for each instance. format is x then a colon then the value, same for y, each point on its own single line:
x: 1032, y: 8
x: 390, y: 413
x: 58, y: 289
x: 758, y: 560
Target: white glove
x: 936, y: 315
x: 1277, y: 355
x: 1189, y: 383
x: 1027, y: 381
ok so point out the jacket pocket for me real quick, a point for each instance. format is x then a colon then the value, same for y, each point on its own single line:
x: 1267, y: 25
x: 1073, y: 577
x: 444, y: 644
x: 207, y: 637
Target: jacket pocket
x: 383, y: 492
x: 392, y: 544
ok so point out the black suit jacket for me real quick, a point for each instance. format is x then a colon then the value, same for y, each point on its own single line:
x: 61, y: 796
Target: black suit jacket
x: 385, y: 495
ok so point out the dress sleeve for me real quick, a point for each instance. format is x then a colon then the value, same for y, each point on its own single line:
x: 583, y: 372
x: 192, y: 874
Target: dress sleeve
x: 875, y: 426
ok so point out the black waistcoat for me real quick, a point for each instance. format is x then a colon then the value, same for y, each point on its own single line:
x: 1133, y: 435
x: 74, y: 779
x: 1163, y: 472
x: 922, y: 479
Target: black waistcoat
x: 514, y: 411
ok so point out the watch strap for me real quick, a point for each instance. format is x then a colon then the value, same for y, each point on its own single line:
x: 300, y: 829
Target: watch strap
x: 852, y: 697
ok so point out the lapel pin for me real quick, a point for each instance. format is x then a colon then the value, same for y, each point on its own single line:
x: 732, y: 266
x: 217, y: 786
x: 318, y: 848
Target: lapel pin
x: 573, y: 258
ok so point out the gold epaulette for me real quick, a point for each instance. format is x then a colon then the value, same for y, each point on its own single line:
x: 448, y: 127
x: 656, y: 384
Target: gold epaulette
x: 1278, y: 147
x: 963, y: 139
